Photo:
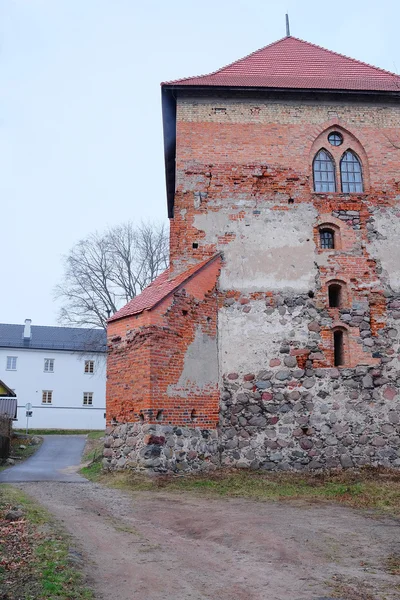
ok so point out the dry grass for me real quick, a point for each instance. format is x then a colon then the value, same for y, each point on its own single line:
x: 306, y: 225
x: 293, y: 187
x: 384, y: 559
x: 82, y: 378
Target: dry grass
x: 368, y: 488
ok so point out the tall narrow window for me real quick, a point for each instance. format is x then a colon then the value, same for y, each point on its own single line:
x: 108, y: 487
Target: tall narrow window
x: 350, y: 173
x: 338, y: 348
x: 335, y: 295
x: 324, y: 172
x: 327, y: 239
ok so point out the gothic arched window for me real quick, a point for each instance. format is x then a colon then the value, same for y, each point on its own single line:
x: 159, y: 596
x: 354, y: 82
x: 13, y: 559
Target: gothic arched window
x: 324, y: 172
x: 350, y: 173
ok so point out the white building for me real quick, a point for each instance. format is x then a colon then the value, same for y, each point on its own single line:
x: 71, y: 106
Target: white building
x: 59, y: 371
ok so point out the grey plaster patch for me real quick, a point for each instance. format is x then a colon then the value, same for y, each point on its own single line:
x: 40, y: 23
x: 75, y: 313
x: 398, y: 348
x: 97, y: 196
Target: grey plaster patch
x: 385, y: 249
x: 200, y: 368
x: 280, y: 245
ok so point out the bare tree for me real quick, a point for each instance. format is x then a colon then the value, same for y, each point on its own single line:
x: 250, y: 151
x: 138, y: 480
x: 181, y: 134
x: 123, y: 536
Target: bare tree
x: 105, y: 270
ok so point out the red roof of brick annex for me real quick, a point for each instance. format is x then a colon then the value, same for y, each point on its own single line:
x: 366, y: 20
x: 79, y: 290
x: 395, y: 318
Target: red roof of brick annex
x: 291, y: 63
x: 159, y: 289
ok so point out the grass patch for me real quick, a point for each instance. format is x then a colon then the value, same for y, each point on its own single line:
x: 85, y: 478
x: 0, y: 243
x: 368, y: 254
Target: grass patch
x: 35, y: 558
x: 93, y: 456
x: 367, y: 488
x: 89, y: 432
x: 92, y: 471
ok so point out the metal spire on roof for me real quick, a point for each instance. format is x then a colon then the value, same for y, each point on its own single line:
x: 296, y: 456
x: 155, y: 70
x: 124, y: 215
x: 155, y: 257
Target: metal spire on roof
x: 287, y: 25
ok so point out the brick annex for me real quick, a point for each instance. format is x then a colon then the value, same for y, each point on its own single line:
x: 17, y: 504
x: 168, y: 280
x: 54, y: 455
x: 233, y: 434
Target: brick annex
x: 272, y: 341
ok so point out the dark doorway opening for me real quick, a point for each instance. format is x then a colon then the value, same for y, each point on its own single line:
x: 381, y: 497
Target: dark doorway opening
x: 335, y: 295
x: 338, y: 347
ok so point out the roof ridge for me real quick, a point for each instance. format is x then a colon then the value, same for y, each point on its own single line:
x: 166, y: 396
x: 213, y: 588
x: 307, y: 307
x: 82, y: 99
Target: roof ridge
x: 361, y: 62
x: 255, y: 52
x: 55, y: 327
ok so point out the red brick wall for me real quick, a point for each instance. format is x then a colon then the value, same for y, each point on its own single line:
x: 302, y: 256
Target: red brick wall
x: 147, y: 358
x: 230, y: 152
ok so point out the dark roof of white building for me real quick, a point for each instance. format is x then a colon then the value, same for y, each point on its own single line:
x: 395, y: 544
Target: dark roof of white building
x: 53, y: 338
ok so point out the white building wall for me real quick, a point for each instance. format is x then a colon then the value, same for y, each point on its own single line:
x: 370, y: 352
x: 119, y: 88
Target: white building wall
x: 68, y: 383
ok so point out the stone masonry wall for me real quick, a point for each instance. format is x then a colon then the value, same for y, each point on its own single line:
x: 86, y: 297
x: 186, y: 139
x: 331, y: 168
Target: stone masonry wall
x: 293, y: 413
x: 288, y: 413
x: 160, y: 448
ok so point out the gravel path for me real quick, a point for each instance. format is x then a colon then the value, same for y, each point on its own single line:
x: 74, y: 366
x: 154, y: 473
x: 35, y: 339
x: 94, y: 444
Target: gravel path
x: 162, y: 546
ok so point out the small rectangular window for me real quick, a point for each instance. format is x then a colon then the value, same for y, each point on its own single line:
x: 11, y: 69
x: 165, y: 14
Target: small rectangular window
x: 47, y: 397
x: 327, y: 238
x: 11, y: 363
x: 49, y: 365
x: 89, y: 366
x: 87, y: 398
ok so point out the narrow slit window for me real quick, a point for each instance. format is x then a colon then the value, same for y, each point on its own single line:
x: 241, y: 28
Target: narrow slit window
x: 335, y: 295
x: 324, y: 172
x: 338, y: 348
x: 351, y: 174
x: 327, y: 239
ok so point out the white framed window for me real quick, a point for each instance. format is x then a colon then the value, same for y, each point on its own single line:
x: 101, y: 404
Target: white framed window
x: 87, y: 398
x: 89, y: 366
x: 49, y: 365
x: 11, y: 363
x: 47, y: 396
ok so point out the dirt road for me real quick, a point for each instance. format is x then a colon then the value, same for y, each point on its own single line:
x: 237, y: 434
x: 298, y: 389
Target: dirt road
x: 159, y: 546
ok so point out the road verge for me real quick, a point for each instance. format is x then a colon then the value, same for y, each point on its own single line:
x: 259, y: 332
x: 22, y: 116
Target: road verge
x: 36, y: 559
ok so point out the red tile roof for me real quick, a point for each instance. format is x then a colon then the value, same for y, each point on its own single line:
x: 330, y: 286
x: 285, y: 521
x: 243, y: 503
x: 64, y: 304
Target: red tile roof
x: 293, y: 63
x: 159, y: 289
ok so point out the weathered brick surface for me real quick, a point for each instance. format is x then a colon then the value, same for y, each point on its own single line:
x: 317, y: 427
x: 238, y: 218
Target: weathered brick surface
x: 146, y: 377
x: 245, y: 188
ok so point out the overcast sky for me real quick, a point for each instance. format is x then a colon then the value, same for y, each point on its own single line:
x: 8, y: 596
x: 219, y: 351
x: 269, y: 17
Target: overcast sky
x: 80, y: 116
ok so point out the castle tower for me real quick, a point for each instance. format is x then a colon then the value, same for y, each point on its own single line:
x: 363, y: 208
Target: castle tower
x: 272, y: 341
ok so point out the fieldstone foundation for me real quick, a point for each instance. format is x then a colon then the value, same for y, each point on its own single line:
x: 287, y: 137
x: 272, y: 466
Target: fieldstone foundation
x: 161, y: 448
x: 264, y: 424
x: 322, y: 419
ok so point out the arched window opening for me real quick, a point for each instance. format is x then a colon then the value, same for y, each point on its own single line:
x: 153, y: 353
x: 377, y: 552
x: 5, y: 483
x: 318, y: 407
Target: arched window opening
x: 335, y: 295
x: 327, y: 238
x: 193, y: 415
x: 324, y: 172
x: 338, y: 347
x: 351, y: 174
